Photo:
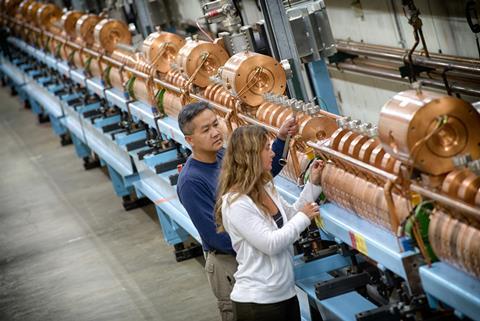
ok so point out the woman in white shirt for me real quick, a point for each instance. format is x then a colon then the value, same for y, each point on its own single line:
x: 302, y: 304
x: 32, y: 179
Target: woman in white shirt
x: 262, y: 226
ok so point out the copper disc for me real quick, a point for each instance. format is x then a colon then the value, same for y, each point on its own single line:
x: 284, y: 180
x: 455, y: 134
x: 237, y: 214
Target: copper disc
x: 109, y: 32
x: 336, y: 137
x: 344, y: 143
x: 85, y: 27
x: 241, y: 69
x: 167, y: 44
x: 410, y: 116
x: 47, y: 14
x: 274, y: 114
x: 282, y: 117
x: 366, y: 149
x: 22, y: 9
x: 377, y: 156
x: 453, y: 180
x: 69, y: 22
x: 469, y: 188
x: 388, y: 163
x: 477, y: 198
x: 190, y: 56
x: 32, y: 12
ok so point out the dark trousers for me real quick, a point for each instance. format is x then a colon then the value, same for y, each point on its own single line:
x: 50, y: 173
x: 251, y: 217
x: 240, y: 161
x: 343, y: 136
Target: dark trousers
x: 287, y: 310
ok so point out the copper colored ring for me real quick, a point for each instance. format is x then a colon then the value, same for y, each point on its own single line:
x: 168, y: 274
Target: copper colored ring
x: 345, y: 142
x: 356, y: 145
x: 274, y: 114
x: 377, y: 156
x: 469, y: 188
x: 453, y: 180
x: 336, y: 137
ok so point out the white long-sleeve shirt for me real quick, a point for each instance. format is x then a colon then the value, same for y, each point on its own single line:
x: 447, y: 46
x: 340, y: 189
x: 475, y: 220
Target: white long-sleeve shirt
x: 265, y: 252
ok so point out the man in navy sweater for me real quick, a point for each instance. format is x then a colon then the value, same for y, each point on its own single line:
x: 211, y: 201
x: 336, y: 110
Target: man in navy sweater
x: 197, y: 189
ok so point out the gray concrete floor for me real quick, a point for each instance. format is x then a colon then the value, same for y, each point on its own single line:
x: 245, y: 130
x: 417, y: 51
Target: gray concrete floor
x: 68, y: 250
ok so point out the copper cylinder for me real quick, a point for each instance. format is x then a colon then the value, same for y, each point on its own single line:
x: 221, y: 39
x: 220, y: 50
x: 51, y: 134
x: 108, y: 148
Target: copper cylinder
x: 462, y: 184
x: 190, y: 56
x: 117, y: 78
x: 310, y: 128
x: 109, y: 32
x: 9, y: 6
x: 172, y: 104
x: 241, y: 68
x: 176, y: 78
x: 69, y: 21
x: 22, y: 10
x: 96, y: 68
x: 453, y: 180
x: 455, y: 241
x: 47, y: 15
x: 161, y: 49
x: 469, y: 188
x: 410, y: 116
x: 85, y: 27
x: 361, y: 196
x: 143, y: 91
x: 32, y: 12
x: 78, y: 59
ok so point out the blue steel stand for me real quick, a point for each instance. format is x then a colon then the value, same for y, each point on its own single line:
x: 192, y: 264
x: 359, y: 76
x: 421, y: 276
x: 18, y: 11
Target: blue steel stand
x: 172, y: 232
x: 322, y: 85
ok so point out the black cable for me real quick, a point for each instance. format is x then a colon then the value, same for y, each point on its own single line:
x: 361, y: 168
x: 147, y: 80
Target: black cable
x: 236, y: 3
x: 471, y: 15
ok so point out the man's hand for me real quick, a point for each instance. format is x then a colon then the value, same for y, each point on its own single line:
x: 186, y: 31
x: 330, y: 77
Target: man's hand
x: 289, y: 127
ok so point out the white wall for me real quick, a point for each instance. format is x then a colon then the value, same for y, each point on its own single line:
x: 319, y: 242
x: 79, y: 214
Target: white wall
x: 190, y: 9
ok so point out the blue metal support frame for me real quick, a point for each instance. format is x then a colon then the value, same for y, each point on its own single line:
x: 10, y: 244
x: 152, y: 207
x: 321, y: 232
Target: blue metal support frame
x: 323, y: 87
x: 119, y: 185
x: 172, y: 232
x: 454, y: 287
x: 307, y: 275
x: 81, y: 149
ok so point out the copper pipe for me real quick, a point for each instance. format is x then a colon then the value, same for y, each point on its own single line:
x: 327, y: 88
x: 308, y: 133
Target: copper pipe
x: 377, y: 72
x: 469, y: 66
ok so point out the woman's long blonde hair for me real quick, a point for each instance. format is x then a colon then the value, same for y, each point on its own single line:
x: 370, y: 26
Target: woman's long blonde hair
x: 242, y: 170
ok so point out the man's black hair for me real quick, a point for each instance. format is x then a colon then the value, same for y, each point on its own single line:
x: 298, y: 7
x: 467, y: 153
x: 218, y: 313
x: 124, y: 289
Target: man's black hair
x: 188, y: 113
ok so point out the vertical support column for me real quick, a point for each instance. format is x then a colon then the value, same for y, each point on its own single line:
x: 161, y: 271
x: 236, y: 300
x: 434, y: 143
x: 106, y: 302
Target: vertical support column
x: 323, y: 87
x: 282, y: 44
x: 172, y: 233
x: 117, y: 182
x: 82, y: 150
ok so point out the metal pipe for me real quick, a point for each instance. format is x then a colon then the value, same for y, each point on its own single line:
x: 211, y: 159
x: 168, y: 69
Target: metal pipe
x: 416, y: 59
x: 402, y: 52
x: 395, y: 76
x: 470, y: 211
x: 372, y: 169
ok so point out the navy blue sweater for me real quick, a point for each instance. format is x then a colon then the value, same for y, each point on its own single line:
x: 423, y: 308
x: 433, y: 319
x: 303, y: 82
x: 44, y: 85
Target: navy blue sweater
x: 197, y: 191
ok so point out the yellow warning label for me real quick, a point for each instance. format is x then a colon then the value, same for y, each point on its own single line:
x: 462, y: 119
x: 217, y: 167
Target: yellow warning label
x: 361, y: 244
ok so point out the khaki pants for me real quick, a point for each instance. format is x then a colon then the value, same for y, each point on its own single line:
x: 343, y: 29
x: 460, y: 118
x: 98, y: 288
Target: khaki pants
x: 220, y: 269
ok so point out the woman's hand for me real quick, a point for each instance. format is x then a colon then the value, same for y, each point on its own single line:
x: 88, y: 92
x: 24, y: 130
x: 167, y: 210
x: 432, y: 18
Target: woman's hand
x: 316, y: 172
x: 311, y: 210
